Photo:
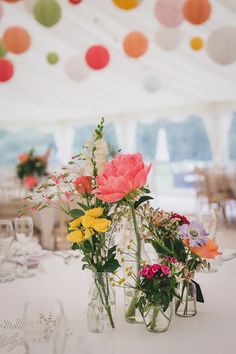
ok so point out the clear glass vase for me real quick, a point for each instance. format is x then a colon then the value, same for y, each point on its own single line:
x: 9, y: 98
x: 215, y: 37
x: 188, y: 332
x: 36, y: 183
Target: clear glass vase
x: 186, y: 306
x: 102, y: 303
x: 132, y: 313
x: 156, y: 319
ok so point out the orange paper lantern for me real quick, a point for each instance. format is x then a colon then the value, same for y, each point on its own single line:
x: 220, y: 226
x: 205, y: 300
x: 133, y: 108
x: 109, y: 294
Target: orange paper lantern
x: 135, y: 44
x: 196, y: 43
x: 197, y: 11
x: 126, y: 4
x: 16, y: 40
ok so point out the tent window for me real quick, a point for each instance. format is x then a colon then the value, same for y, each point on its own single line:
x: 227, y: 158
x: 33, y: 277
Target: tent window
x: 232, y: 139
x: 14, y: 143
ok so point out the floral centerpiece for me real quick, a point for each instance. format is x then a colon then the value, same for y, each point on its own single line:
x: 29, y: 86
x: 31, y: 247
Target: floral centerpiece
x: 188, y: 242
x: 31, y: 167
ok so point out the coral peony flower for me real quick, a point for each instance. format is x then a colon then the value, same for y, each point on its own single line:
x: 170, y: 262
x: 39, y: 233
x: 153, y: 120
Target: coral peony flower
x: 208, y: 251
x: 121, y: 176
x: 30, y: 182
x: 23, y: 158
x: 83, y: 184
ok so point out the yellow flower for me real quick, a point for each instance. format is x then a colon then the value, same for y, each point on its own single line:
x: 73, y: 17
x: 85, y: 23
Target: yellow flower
x: 121, y: 281
x: 75, y: 223
x: 95, y: 212
x: 101, y: 225
x: 87, y: 221
x: 88, y: 233
x: 75, y: 236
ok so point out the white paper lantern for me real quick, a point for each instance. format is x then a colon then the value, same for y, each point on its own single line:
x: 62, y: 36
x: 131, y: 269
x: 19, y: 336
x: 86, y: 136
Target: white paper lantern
x: 168, y: 38
x: 221, y: 45
x: 76, y: 68
x: 152, y: 83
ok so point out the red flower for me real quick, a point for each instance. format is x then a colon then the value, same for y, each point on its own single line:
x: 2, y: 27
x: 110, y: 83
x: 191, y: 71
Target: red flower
x: 30, y: 181
x: 183, y: 220
x: 83, y: 184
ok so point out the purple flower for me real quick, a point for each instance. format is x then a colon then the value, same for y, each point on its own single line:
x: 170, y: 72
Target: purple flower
x: 195, y: 233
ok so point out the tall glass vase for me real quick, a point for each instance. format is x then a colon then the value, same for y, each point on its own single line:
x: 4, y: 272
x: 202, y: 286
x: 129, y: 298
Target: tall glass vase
x: 138, y: 257
x: 101, y: 306
x: 186, y: 306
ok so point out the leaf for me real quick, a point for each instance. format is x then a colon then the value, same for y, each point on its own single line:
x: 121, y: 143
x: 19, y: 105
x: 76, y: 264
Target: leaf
x: 75, y: 246
x: 76, y: 213
x: 90, y: 267
x: 111, y: 250
x: 141, y: 200
x: 111, y: 265
x: 83, y: 206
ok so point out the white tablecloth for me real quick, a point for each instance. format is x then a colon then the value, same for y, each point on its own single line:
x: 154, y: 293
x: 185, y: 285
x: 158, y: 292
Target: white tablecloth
x: 212, y: 331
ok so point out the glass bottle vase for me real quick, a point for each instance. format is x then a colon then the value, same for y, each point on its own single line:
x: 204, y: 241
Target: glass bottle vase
x: 156, y: 319
x: 102, y: 303
x: 186, y: 306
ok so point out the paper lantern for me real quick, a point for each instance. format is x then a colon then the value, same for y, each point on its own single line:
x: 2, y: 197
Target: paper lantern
x: 169, y: 12
x: 75, y: 2
x: 197, y: 11
x: 11, y: 1
x: 47, y: 12
x: 135, y: 44
x: 52, y: 58
x: 126, y: 4
x: 97, y: 57
x: 76, y: 68
x: 16, y: 40
x: 168, y: 38
x: 221, y: 45
x: 196, y: 43
x: 29, y: 4
x: 6, y: 70
x: 3, y: 50
x: 151, y: 83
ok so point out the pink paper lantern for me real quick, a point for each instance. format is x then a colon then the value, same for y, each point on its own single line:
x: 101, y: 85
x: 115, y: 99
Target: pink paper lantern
x: 221, y: 45
x: 170, y: 12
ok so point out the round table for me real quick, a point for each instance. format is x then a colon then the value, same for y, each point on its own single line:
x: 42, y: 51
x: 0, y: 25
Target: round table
x: 212, y: 331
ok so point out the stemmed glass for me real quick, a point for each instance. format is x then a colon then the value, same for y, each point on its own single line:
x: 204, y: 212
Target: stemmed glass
x: 6, y: 239
x: 44, y: 327
x: 24, y: 232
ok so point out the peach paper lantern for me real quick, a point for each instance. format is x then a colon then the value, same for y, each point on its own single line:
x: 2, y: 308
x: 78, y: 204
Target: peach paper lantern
x: 197, y: 11
x: 169, y: 12
x: 16, y: 40
x: 126, y: 4
x: 168, y: 38
x: 221, y: 45
x: 135, y: 44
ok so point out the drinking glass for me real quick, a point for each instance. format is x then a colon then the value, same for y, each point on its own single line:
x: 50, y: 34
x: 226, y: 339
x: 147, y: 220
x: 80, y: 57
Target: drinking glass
x: 44, y: 327
x: 6, y: 239
x: 24, y: 232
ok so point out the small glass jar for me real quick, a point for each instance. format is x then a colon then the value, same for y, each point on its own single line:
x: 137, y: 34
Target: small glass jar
x: 156, y: 319
x: 186, y: 306
x: 101, y: 306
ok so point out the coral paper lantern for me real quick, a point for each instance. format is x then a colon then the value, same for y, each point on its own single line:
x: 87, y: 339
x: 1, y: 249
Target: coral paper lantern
x: 196, y: 43
x: 126, y: 4
x: 6, y: 70
x: 169, y: 12
x: 47, y: 12
x: 197, y: 11
x: 97, y: 57
x: 16, y: 40
x: 75, y: 2
x: 135, y: 44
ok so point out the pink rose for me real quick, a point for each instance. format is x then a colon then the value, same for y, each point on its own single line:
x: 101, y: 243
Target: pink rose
x: 83, y: 184
x: 155, y: 268
x: 144, y: 271
x: 121, y: 176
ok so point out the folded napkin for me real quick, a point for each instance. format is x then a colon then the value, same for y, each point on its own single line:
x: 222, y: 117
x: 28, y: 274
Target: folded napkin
x: 34, y: 259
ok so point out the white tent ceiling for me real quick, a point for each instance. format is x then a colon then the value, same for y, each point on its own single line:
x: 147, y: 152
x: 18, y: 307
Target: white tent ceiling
x: 42, y: 93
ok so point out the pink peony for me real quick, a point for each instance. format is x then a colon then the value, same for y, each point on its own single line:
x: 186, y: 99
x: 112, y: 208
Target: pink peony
x: 165, y: 269
x: 144, y: 271
x: 30, y: 182
x: 155, y: 268
x: 121, y: 176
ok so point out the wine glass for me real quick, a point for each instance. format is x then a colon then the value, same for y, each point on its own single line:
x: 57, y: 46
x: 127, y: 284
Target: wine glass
x: 6, y: 239
x: 44, y: 327
x: 24, y: 232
